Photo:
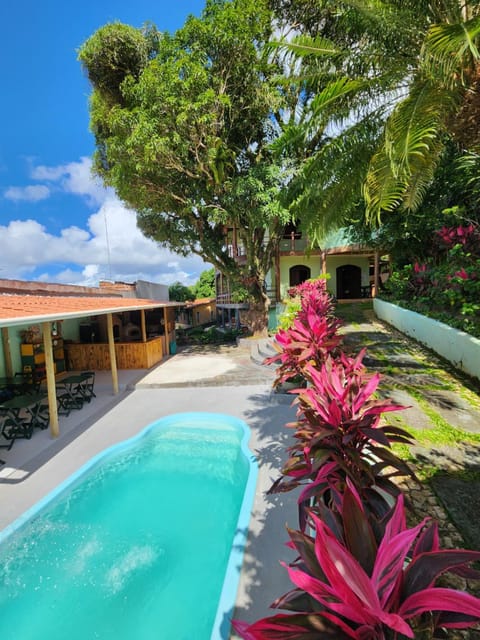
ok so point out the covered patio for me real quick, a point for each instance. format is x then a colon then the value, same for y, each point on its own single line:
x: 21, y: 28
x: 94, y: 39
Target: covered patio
x: 49, y: 311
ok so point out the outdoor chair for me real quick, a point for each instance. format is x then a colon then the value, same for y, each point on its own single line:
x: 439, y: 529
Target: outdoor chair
x: 26, y: 384
x: 8, y: 430
x: 69, y: 395
x: 20, y: 415
x: 87, y: 385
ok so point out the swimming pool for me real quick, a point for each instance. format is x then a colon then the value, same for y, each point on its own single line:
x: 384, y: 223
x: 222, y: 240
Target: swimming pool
x: 144, y: 542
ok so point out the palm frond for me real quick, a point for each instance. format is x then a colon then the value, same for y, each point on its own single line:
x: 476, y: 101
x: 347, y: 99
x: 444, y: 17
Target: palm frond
x: 335, y: 91
x: 382, y: 190
x: 420, y: 178
x: 304, y: 46
x: 328, y: 186
x: 415, y: 124
x: 450, y: 50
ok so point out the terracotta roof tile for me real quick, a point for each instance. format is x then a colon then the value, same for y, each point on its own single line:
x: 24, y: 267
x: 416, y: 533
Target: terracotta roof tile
x: 199, y: 301
x: 22, y: 309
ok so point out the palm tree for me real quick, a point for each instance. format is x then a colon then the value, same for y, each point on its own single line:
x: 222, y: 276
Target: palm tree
x: 388, y: 82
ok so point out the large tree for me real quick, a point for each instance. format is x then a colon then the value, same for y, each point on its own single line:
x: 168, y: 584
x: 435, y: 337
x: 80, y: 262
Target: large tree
x: 183, y: 124
x: 392, y: 81
x: 205, y: 285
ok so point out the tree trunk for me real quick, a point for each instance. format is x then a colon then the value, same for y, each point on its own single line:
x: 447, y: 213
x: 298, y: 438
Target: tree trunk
x: 257, y: 315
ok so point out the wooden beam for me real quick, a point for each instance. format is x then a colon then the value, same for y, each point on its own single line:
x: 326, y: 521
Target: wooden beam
x: 143, y: 325
x: 167, y: 337
x: 376, y: 276
x: 50, y: 369
x: 111, y: 350
x: 7, y: 353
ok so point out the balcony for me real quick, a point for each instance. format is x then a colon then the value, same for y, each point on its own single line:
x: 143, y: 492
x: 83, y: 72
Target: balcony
x: 237, y: 252
x: 293, y: 245
x: 225, y: 299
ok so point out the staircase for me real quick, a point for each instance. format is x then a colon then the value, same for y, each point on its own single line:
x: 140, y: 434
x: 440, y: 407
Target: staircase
x: 261, y: 349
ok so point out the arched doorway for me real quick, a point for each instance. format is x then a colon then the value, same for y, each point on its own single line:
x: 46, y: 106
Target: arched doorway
x: 298, y: 274
x: 349, y: 281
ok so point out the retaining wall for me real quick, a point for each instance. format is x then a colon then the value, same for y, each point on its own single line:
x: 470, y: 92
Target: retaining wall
x: 458, y: 347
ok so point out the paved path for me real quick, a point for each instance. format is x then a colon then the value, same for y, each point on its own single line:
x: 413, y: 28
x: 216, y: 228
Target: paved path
x: 207, y: 366
x: 444, y: 409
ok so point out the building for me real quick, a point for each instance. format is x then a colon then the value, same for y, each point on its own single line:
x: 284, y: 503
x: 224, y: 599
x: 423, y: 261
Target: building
x: 197, y: 313
x: 48, y: 329
x: 144, y: 326
x: 353, y: 271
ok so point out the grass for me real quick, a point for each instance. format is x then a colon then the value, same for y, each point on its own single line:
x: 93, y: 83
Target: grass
x: 440, y: 434
x: 354, y: 313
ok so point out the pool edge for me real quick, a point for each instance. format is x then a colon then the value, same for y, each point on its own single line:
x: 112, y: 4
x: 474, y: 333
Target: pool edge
x: 223, y: 620
x: 221, y: 629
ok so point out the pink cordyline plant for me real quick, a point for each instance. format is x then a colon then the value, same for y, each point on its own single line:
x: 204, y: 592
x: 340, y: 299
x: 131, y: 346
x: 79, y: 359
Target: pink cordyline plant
x: 339, y: 436
x: 308, y: 342
x: 313, y: 294
x: 349, y: 585
x: 313, y: 335
x: 464, y: 235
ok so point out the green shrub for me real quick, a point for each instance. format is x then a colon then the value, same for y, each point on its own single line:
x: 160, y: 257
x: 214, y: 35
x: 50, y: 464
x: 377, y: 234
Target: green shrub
x: 446, y: 286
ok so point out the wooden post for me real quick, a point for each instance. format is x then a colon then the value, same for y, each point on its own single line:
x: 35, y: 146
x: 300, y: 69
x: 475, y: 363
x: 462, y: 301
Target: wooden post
x: 324, y: 263
x: 376, y: 261
x: 111, y: 350
x: 277, y: 276
x: 234, y: 242
x: 50, y: 369
x: 7, y: 353
x: 143, y: 325
x: 167, y: 338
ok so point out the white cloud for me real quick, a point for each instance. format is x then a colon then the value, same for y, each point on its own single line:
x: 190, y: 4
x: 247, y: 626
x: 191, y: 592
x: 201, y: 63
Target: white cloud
x: 32, y: 193
x: 112, y: 248
x: 73, y: 177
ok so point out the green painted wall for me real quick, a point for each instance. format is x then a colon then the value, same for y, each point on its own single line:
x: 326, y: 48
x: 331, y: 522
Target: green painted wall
x: 70, y: 331
x: 315, y: 264
x: 14, y: 336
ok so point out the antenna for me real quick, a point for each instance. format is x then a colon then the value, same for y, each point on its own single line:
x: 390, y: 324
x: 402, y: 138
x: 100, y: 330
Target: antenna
x: 108, y: 246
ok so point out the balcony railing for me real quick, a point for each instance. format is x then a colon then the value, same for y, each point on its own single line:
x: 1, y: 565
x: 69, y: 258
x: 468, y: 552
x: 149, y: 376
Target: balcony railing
x: 226, y: 297
x: 293, y: 244
x: 237, y: 252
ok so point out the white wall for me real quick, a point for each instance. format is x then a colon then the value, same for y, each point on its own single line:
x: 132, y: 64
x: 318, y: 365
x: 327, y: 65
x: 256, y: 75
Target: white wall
x: 151, y: 290
x: 458, y: 347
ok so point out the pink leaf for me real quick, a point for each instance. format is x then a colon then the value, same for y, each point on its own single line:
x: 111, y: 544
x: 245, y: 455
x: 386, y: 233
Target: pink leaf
x: 440, y: 599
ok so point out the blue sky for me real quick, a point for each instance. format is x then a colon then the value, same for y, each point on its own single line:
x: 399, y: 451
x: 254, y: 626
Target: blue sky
x: 56, y: 223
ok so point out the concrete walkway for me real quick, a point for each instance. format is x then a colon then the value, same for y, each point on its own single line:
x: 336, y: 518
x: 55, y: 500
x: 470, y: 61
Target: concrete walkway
x: 218, y: 380
x: 227, y: 380
x: 443, y: 406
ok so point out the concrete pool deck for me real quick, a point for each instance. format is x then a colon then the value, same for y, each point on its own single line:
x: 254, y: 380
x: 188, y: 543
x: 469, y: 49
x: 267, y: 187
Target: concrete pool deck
x: 218, y: 380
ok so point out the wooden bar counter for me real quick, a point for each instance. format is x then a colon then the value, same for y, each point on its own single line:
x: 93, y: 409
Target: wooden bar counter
x: 130, y: 355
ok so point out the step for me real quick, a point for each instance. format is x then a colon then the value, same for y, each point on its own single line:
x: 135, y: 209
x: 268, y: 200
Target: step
x: 262, y: 349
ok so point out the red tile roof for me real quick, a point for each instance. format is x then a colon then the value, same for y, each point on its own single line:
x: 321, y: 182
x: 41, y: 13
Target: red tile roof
x: 199, y: 301
x: 23, y: 309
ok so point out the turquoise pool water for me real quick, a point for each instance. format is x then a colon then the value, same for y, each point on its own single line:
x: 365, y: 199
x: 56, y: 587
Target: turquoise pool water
x: 139, y: 543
